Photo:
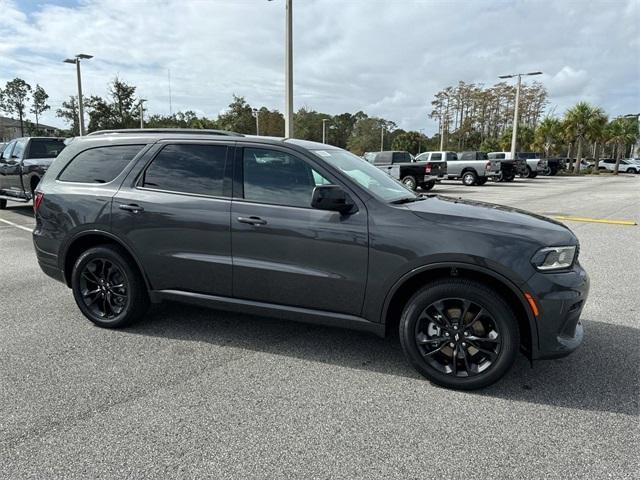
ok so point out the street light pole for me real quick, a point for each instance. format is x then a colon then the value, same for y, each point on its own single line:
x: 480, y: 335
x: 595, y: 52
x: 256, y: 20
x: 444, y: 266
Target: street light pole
x: 446, y: 120
x: 256, y: 113
x: 288, y: 104
x: 76, y: 60
x: 141, y: 107
x: 421, y: 131
x: 382, y: 138
x: 324, y: 129
x: 514, y: 130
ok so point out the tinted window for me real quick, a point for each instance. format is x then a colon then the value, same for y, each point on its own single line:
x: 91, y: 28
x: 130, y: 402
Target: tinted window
x: 188, y: 169
x: 99, y: 165
x: 452, y: 156
x: 279, y: 178
x: 45, y: 147
x: 436, y: 156
x: 401, y: 157
x: 6, y: 153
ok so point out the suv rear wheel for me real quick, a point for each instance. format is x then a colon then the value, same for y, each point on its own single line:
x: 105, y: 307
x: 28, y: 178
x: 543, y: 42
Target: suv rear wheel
x: 459, y: 334
x: 107, y: 290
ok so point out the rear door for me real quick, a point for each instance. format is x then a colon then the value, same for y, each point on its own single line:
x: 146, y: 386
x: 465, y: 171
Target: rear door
x: 173, y: 212
x: 286, y: 252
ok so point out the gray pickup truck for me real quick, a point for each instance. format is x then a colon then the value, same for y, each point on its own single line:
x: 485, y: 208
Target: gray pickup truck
x: 472, y: 168
x: 23, y: 163
x: 412, y: 172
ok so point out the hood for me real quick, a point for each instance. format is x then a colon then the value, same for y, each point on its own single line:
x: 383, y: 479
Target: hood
x: 492, y: 218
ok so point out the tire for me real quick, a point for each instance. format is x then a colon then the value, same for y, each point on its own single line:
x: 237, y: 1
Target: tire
x: 122, y: 303
x: 3, y: 204
x: 433, y: 359
x: 533, y: 174
x: 469, y: 178
x: 527, y: 173
x: 631, y: 170
x: 428, y: 185
x: 510, y: 178
x: 481, y: 181
x: 410, y: 182
x: 548, y: 171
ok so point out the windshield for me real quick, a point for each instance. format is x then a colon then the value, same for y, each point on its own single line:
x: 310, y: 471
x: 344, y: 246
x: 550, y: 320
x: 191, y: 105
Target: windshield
x: 372, y: 178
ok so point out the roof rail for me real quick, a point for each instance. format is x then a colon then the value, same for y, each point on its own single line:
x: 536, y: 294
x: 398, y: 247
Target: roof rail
x: 188, y: 131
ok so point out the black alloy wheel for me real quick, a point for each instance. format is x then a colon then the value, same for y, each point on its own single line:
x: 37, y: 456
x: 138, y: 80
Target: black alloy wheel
x: 459, y: 334
x: 108, y: 288
x: 104, y: 288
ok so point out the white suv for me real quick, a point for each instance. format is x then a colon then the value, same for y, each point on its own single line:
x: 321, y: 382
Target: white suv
x: 627, y: 165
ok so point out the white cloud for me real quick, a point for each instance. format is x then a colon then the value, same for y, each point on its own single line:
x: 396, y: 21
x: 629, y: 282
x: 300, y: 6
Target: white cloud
x: 387, y: 58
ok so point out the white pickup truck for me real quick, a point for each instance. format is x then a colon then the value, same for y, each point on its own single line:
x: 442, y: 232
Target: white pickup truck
x: 473, y: 168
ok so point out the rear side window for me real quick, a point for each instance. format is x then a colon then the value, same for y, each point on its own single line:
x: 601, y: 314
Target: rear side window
x: 436, y: 156
x: 45, y: 148
x: 401, y: 157
x: 99, y: 165
x: 187, y: 168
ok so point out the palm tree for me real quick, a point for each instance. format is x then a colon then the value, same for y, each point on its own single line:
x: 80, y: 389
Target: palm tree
x: 595, y: 133
x: 620, y: 133
x: 548, y: 135
x: 576, y: 122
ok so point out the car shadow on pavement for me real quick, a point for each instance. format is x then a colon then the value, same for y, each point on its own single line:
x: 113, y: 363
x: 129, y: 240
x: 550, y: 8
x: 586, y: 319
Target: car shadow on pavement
x: 602, y: 375
x: 25, y: 209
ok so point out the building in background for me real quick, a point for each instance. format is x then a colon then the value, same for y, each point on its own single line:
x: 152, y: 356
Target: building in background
x: 10, y: 129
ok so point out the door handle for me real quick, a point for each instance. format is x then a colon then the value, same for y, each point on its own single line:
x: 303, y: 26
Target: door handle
x: 133, y: 208
x: 252, y: 220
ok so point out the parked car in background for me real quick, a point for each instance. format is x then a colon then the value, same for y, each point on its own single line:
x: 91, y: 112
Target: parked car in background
x: 23, y: 163
x: 627, y: 165
x: 309, y: 232
x: 536, y: 164
x: 401, y: 166
x: 472, y: 167
x: 554, y: 165
x: 509, y: 167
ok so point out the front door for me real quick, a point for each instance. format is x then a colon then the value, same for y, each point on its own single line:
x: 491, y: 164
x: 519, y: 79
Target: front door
x: 284, y: 251
x: 174, y: 215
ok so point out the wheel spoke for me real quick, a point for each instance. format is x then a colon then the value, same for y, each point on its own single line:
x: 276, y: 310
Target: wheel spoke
x: 422, y: 339
x: 466, y: 304
x: 475, y: 319
x: 89, y: 293
x: 467, y: 364
x: 474, y: 338
x: 90, y: 276
x: 441, y: 311
x: 454, y: 361
x: 432, y: 352
x: 490, y: 353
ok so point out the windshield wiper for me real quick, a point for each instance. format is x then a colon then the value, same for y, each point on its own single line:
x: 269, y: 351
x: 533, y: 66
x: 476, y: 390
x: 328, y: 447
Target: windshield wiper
x: 406, y: 200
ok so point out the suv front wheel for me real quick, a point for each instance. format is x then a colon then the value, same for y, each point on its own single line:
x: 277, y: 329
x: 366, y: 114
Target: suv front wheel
x: 459, y: 334
x: 108, y: 291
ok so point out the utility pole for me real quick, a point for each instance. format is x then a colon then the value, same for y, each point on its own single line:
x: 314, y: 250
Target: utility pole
x: 445, y: 125
x: 141, y: 107
x: 514, y: 132
x: 76, y: 61
x: 382, y: 138
x: 288, y: 104
x: 324, y: 129
x: 421, y: 131
x: 256, y: 113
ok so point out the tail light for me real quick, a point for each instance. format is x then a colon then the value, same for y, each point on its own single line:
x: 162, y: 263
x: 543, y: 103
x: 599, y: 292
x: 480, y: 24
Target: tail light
x: 427, y: 168
x: 487, y: 166
x: 37, y: 200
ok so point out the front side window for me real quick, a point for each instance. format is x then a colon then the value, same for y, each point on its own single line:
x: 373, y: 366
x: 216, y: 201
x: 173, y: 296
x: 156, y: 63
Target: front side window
x: 278, y: 178
x: 18, y: 150
x: 6, y: 153
x: 99, y: 165
x: 188, y: 168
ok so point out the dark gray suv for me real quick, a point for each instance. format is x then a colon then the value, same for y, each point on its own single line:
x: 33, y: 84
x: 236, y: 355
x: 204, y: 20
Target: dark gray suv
x: 307, y: 232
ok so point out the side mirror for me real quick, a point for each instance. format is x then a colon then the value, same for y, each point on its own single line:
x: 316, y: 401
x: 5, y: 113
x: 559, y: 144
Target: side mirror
x: 332, y: 198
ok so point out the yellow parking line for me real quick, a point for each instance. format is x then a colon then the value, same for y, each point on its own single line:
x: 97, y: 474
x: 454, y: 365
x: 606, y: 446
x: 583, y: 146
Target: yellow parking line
x: 595, y: 220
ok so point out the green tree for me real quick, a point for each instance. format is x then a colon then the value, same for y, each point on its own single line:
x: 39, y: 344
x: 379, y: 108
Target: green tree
x: 271, y: 122
x: 39, y: 103
x: 548, y: 136
x: 14, y: 99
x: 524, y: 139
x: 238, y: 117
x: 408, y: 141
x: 366, y: 135
x: 119, y: 110
x: 596, y: 134
x: 620, y: 133
x: 308, y: 124
x: 69, y: 113
x: 577, y: 122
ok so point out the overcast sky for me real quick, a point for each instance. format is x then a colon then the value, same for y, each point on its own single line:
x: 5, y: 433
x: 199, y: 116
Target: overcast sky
x: 384, y: 57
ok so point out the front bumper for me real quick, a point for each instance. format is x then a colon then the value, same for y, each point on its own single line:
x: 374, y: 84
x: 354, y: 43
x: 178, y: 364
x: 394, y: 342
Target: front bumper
x: 560, y: 298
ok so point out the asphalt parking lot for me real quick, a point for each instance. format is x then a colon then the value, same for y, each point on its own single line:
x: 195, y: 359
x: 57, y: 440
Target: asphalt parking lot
x: 195, y: 393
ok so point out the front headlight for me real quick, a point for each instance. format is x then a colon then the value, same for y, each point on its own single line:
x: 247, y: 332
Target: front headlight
x: 554, y: 258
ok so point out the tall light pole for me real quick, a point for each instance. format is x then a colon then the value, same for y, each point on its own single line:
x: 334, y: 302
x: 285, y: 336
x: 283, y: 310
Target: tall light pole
x: 141, y: 107
x: 442, y: 124
x: 76, y: 60
x: 421, y: 132
x: 256, y: 113
x: 288, y: 71
x: 514, y: 132
x: 324, y: 129
x: 382, y: 138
